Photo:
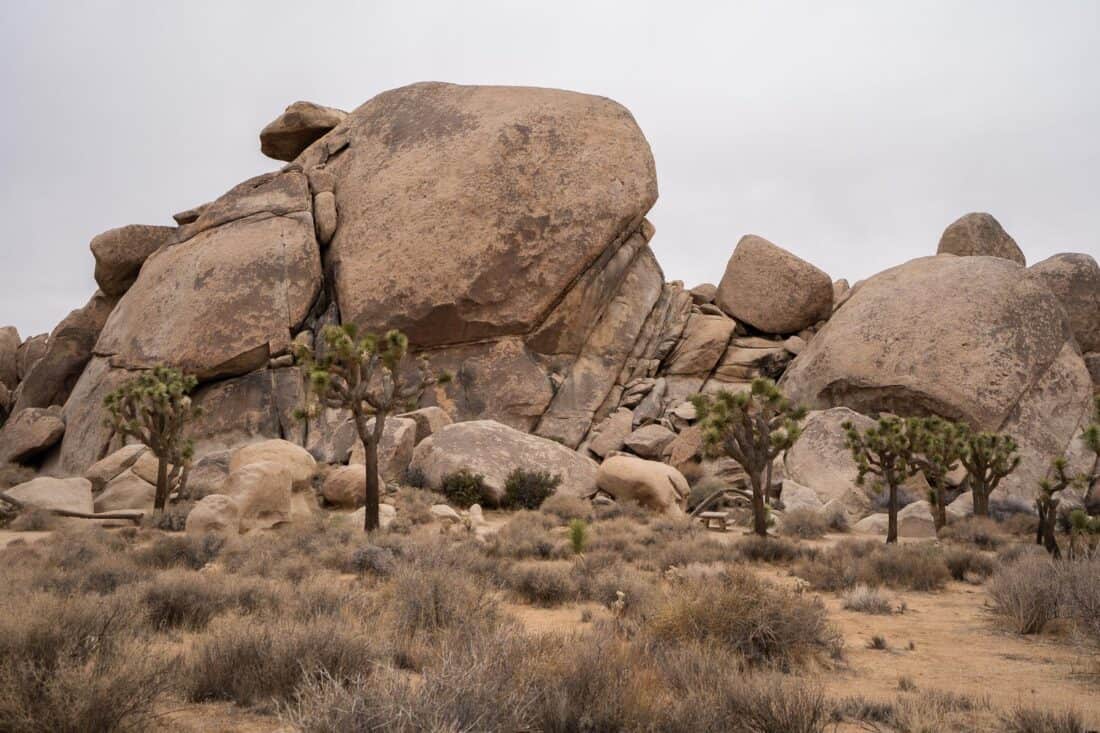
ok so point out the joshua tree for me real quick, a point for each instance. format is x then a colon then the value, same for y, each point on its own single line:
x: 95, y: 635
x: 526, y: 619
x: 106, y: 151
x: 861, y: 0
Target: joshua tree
x: 988, y: 458
x: 885, y: 450
x: 154, y: 408
x: 937, y: 445
x: 752, y: 428
x: 1047, y: 505
x: 364, y: 375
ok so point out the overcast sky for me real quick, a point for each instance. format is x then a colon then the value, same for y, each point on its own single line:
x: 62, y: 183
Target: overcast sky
x: 850, y: 135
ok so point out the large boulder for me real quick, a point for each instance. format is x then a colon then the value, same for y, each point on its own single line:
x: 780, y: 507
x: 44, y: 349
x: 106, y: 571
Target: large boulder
x: 30, y: 351
x: 701, y: 346
x: 45, y: 492
x: 772, y: 290
x: 979, y: 234
x: 494, y: 451
x: 215, y: 513
x: 102, y: 471
x: 126, y: 491
x: 1075, y: 279
x: 395, y: 450
x: 262, y: 492
x: 651, y: 484
x: 821, y: 459
x: 53, y: 376
x: 119, y: 254
x: 978, y: 339
x: 9, y: 356
x: 294, y: 459
x: 29, y: 433
x: 226, y: 294
x: 346, y: 486
x: 298, y: 127
x: 467, y: 211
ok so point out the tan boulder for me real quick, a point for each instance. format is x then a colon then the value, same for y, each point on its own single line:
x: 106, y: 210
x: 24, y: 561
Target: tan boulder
x: 346, y: 486
x: 979, y: 234
x: 796, y: 496
x: 30, y: 351
x: 29, y: 433
x: 104, y: 470
x: 685, y: 453
x: 9, y: 356
x: 998, y: 354
x: 126, y: 491
x: 703, y: 293
x: 45, y: 492
x: 395, y: 450
x: 215, y: 513
x: 915, y: 520
x: 208, y: 475
x: 522, y: 188
x: 1075, y: 279
x: 146, y: 467
x: 294, y: 459
x: 429, y: 420
x: 244, y: 409
x: 773, y: 290
x: 611, y: 432
x: 262, y: 492
x: 651, y: 484
x: 298, y: 127
x: 702, y: 344
x: 649, y: 441
x: 224, y: 297
x: 53, y: 376
x: 119, y: 254
x: 821, y: 459
x: 495, y: 450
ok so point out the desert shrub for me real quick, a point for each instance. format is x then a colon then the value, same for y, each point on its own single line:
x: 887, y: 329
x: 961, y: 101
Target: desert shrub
x: 966, y: 564
x: 434, y: 598
x: 527, y: 535
x: 1033, y: 720
x: 1012, y: 552
x: 542, y: 583
x: 1025, y: 593
x: 837, y: 520
x: 623, y: 510
x: 927, y: 711
x: 865, y: 599
x: 763, y: 623
x: 525, y: 489
x: 463, y: 488
x: 981, y: 532
x: 578, y: 535
x: 373, y: 559
x: 693, y: 548
x: 256, y: 660
x: 1079, y: 595
x: 604, y: 584
x: 565, y: 507
x: 106, y: 575
x: 173, y: 519
x: 806, y: 524
x: 186, y: 599
x: 910, y: 566
x: 186, y: 551
x: 34, y: 520
x: 415, y: 477
x: 767, y: 549
x: 74, y: 664
x: 414, y: 505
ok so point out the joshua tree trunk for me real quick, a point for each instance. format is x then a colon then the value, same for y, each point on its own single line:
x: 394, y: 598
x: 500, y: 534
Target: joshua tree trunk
x: 892, y: 526
x: 1044, y: 533
x: 161, y: 496
x: 939, y: 508
x: 759, y: 512
x: 981, y: 502
x: 370, y: 448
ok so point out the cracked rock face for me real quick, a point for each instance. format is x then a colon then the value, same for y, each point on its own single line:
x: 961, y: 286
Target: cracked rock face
x: 973, y: 338
x: 467, y: 211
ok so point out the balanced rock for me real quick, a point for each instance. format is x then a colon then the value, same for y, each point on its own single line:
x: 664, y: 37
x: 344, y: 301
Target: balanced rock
x: 45, y: 492
x: 298, y: 127
x: 772, y: 290
x: 650, y: 484
x: 215, y: 513
x: 1075, y: 279
x: 9, y: 356
x: 29, y: 433
x: 494, y: 450
x: 262, y: 492
x: 998, y: 353
x: 119, y: 254
x: 294, y: 459
x: 979, y: 234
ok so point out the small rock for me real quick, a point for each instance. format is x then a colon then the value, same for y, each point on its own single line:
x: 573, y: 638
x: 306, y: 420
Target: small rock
x: 445, y: 513
x: 298, y: 127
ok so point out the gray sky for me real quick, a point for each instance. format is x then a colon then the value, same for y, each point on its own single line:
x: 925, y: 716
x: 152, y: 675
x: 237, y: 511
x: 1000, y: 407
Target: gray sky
x: 850, y: 135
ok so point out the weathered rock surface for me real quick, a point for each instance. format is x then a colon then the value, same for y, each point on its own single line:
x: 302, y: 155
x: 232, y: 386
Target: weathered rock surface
x: 126, y: 491
x: 9, y: 356
x: 224, y: 298
x: 821, y: 459
x: 44, y: 492
x: 262, y: 492
x: 101, y: 472
x: 298, y: 127
x: 294, y: 459
x: 703, y: 293
x: 495, y: 450
x: 649, y: 441
x: 240, y: 410
x: 1075, y: 279
x: 52, y: 377
x: 29, y: 433
x: 915, y: 520
x: 997, y: 353
x: 395, y: 450
x: 979, y: 234
x: 119, y: 254
x: 429, y: 421
x: 466, y: 211
x: 611, y: 433
x: 796, y: 496
x: 702, y: 344
x: 650, y: 484
x: 209, y: 474
x: 773, y: 290
x: 215, y: 513
x: 30, y: 351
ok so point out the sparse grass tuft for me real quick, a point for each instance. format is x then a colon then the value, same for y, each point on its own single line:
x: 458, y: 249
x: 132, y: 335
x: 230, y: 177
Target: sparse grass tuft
x: 865, y: 599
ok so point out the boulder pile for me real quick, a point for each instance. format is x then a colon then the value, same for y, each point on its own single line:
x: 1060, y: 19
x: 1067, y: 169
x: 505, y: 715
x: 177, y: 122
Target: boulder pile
x: 504, y: 230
